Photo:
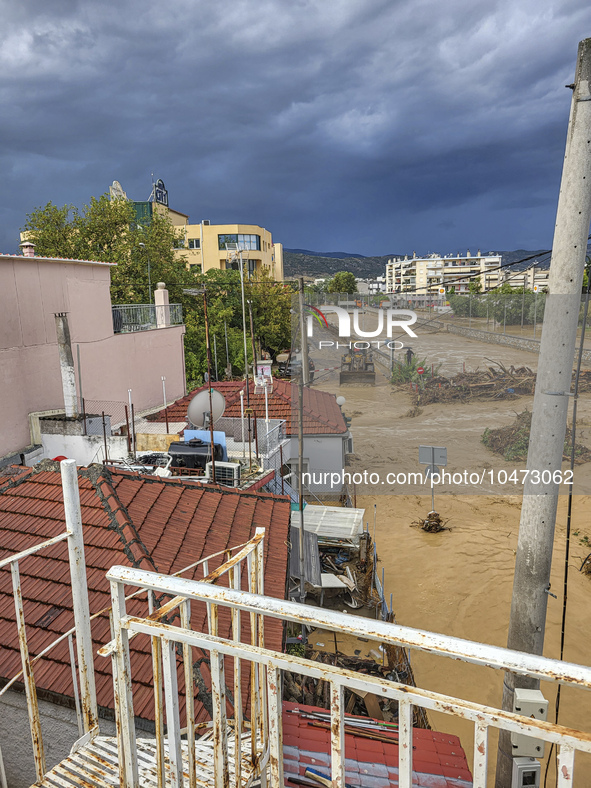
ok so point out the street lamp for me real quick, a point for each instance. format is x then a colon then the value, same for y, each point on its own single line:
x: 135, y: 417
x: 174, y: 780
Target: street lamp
x: 233, y: 247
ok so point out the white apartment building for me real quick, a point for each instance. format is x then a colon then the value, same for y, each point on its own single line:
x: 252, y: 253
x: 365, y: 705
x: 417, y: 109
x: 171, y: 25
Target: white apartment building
x: 425, y: 275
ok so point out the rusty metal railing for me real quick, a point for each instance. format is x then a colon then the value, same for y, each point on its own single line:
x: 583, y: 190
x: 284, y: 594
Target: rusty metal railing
x: 83, y: 673
x: 250, y: 559
x: 88, y: 714
x: 266, y: 730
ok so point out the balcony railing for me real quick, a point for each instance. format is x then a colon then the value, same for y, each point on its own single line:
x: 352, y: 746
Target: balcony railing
x: 267, y: 666
x: 144, y: 317
x: 245, y: 743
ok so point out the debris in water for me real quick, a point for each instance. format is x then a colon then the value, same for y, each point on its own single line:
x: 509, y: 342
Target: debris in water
x: 432, y: 523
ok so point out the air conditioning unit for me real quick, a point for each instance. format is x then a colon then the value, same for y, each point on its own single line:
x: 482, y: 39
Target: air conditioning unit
x: 226, y: 473
x: 206, y: 222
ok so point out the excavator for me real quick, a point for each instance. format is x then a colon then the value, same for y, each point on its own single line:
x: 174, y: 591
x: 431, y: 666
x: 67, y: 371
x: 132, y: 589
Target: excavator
x: 357, y: 368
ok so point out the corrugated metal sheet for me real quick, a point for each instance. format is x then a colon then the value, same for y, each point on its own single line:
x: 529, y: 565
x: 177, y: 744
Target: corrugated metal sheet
x: 311, y: 556
x: 331, y: 522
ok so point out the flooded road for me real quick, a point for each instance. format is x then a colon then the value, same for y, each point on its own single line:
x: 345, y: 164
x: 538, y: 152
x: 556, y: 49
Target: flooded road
x: 459, y: 582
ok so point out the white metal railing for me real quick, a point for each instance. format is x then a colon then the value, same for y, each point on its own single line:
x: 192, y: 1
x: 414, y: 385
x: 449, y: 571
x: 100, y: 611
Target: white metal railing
x: 143, y: 317
x: 83, y: 675
x: 165, y: 678
x: 267, y: 667
x: 86, y: 705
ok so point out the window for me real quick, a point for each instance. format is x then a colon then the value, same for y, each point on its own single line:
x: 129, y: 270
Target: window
x: 249, y: 242
x: 179, y: 243
x: 195, y: 268
x: 194, y: 243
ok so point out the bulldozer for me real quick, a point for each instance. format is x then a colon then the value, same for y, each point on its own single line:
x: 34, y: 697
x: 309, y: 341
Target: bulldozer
x: 357, y: 368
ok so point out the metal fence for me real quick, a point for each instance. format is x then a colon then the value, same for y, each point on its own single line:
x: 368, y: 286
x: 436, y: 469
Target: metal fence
x: 144, y: 317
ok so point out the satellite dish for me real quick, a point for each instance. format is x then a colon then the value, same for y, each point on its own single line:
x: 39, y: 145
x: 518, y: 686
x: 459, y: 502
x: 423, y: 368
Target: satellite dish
x: 198, y: 410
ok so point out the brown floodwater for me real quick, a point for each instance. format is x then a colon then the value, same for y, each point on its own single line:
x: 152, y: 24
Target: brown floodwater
x: 459, y: 582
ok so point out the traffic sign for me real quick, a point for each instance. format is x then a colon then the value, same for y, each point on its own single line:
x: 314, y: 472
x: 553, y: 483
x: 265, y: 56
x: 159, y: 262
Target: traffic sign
x: 431, y: 470
x: 433, y: 455
x: 442, y: 291
x: 420, y: 370
x: 536, y: 288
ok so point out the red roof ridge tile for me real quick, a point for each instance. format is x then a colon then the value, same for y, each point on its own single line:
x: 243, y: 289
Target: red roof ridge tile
x: 119, y: 518
x: 16, y: 478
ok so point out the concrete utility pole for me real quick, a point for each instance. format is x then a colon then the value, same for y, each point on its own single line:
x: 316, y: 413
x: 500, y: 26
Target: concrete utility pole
x: 304, y: 338
x: 551, y: 401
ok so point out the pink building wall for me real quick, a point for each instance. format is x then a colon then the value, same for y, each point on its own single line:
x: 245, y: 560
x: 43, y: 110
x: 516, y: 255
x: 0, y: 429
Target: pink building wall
x: 32, y: 290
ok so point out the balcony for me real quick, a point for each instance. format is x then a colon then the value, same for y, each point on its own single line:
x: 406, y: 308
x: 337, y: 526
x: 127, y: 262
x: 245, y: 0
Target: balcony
x: 145, y: 317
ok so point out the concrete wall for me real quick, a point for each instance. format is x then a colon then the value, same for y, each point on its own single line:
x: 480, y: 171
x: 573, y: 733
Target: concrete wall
x: 59, y: 729
x: 33, y: 289
x: 533, y: 345
x: 85, y: 449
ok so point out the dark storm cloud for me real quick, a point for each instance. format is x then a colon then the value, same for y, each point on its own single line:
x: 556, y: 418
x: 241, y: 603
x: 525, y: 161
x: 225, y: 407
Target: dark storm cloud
x: 372, y: 125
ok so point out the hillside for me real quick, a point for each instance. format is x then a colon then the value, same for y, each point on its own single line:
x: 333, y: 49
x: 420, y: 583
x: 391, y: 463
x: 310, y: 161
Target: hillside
x: 300, y: 262
x: 303, y: 264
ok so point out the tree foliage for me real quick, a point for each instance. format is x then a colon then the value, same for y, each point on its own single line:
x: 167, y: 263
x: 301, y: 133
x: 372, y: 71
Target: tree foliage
x: 107, y: 231
x: 342, y: 282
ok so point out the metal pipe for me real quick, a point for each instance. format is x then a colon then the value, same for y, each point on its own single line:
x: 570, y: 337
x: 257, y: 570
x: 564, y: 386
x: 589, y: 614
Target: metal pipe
x: 29, y: 679
x: 105, y: 438
x: 254, y: 355
x: 244, y: 328
x: 303, y: 337
x: 80, y: 604
x: 75, y: 685
x: 242, y: 422
x: 215, y: 357
x: 128, y: 435
x: 208, y: 353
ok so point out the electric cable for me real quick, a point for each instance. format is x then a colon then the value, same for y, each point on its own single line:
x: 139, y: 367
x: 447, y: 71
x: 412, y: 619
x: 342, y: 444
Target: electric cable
x: 570, y: 504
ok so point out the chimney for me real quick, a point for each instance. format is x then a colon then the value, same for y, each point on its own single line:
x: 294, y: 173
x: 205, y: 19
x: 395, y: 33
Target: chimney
x: 66, y: 363
x: 28, y: 249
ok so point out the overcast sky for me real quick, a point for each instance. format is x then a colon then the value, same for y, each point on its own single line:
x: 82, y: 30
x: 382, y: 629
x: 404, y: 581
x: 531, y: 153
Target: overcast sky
x: 369, y: 126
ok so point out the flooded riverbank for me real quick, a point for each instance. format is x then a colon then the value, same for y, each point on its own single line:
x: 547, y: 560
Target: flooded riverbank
x: 459, y: 582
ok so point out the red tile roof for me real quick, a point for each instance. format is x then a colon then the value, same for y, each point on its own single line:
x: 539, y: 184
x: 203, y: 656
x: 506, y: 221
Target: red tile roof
x: 322, y: 415
x: 438, y: 758
x: 148, y: 522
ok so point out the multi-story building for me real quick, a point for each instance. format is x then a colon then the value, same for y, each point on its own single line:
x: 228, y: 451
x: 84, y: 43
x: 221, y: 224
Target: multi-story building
x: 221, y: 246
x: 208, y: 246
x: 425, y: 275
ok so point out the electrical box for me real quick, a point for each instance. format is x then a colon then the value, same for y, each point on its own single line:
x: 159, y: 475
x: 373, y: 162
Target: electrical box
x: 529, y: 703
x: 527, y: 773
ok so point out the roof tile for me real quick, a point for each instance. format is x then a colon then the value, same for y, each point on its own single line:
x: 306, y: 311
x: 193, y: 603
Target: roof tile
x: 126, y: 517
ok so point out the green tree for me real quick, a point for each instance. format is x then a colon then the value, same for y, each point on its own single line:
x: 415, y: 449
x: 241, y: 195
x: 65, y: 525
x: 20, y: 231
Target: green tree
x: 475, y: 286
x: 106, y: 231
x: 342, y: 282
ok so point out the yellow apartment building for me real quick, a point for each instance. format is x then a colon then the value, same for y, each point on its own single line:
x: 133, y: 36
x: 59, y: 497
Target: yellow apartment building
x: 222, y: 246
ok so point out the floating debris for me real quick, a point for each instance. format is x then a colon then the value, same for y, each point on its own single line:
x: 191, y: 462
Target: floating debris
x: 432, y: 523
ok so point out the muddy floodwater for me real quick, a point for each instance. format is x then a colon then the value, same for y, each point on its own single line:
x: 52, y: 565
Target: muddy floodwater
x: 459, y: 582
